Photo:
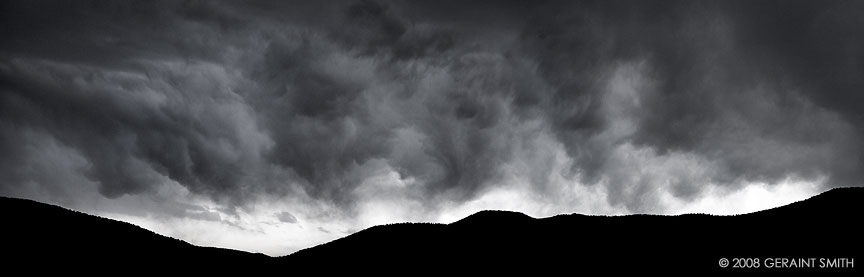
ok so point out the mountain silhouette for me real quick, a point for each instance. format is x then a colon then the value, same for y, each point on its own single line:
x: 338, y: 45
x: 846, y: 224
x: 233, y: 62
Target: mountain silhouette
x: 825, y: 228
x: 42, y: 238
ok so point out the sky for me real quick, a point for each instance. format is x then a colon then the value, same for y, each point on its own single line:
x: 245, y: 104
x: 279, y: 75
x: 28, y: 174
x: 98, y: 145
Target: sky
x: 273, y: 126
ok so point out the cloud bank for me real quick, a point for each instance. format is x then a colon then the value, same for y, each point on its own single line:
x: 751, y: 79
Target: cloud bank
x: 371, y: 112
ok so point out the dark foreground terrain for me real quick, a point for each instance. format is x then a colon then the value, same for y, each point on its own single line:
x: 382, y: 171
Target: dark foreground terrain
x: 820, y: 235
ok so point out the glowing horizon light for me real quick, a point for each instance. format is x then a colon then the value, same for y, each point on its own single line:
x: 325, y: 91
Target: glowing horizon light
x: 259, y: 232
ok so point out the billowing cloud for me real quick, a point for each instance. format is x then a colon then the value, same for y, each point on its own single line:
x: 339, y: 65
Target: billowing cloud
x: 286, y: 217
x: 357, y: 113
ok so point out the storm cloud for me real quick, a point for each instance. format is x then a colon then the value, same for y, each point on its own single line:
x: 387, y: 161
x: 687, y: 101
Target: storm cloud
x: 427, y: 104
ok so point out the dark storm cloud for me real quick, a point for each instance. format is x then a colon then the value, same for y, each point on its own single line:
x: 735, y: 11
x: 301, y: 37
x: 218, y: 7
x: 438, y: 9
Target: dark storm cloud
x: 733, y: 81
x: 286, y: 217
x: 233, y: 100
x: 112, y: 34
x: 107, y: 79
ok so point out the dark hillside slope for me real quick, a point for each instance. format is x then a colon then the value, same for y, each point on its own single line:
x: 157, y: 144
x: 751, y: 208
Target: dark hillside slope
x: 61, y: 240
